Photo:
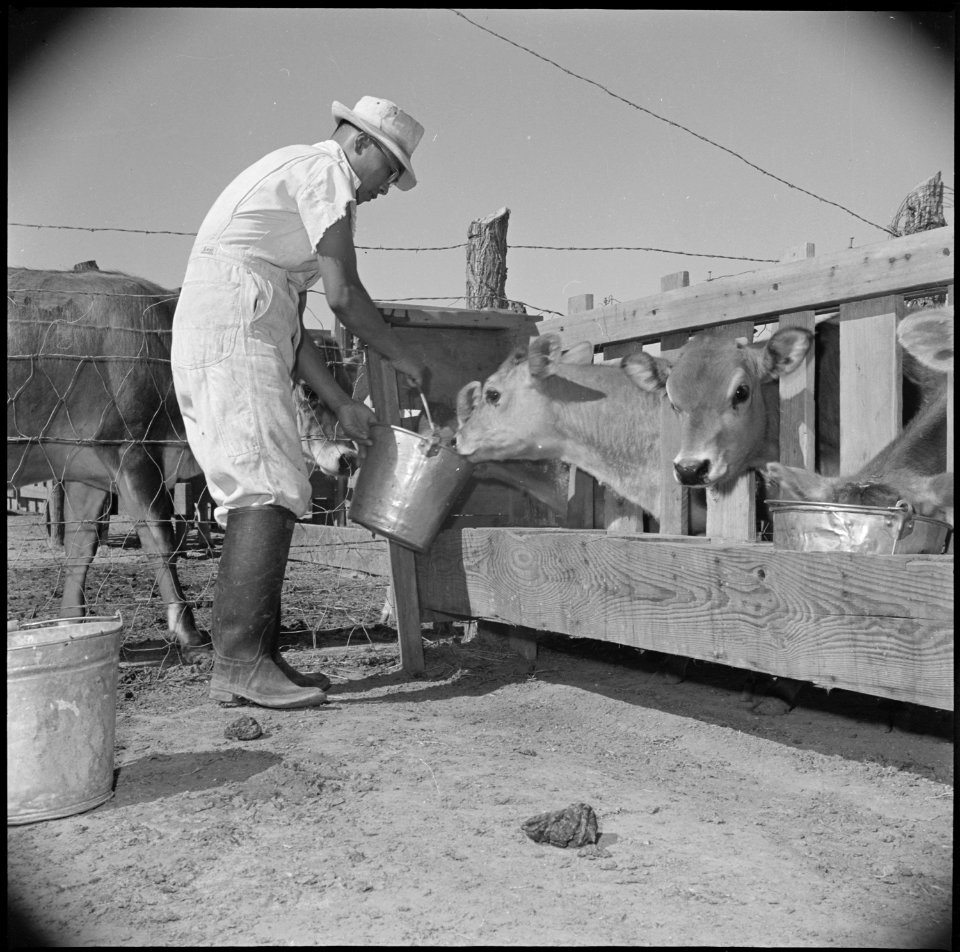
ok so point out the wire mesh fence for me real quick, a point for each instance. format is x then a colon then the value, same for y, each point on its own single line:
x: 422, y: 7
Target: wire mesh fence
x: 95, y: 440
x: 317, y: 600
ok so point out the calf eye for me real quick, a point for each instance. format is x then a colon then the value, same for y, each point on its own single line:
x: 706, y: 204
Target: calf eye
x: 741, y: 394
x: 492, y: 396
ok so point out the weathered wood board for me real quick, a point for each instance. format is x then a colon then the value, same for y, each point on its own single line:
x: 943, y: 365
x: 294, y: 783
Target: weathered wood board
x: 340, y: 547
x: 887, y: 267
x: 880, y: 625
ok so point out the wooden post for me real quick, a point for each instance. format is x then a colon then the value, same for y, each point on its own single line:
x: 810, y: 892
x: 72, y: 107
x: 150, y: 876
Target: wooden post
x: 674, y: 498
x: 870, y: 379
x: 950, y: 410
x: 403, y: 568
x: 798, y: 412
x: 583, y: 488
x: 487, y: 263
x: 486, y: 290
x: 732, y: 516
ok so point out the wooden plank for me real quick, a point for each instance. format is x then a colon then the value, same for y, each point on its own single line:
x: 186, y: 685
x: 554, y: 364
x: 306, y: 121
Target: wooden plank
x: 674, y: 498
x: 870, y: 379
x: 732, y: 515
x: 798, y: 421
x: 950, y: 407
x: 579, y: 303
x: 340, y: 547
x: 585, y: 495
x: 800, y: 252
x: 915, y: 261
x: 403, y: 572
x: 438, y: 317
x: 880, y: 625
x: 798, y: 412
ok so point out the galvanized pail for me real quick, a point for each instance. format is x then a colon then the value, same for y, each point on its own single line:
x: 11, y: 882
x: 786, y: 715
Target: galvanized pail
x: 869, y: 530
x: 406, y: 486
x: 61, y: 716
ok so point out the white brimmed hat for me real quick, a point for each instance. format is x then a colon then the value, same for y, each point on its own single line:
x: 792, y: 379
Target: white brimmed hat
x: 390, y: 126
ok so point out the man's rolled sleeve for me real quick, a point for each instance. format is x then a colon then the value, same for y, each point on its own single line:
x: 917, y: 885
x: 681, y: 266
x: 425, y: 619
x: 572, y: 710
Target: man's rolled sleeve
x: 324, y: 202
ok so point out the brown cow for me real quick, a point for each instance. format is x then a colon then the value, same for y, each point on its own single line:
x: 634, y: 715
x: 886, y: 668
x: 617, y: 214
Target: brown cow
x: 726, y: 395
x: 90, y: 403
x: 543, y: 404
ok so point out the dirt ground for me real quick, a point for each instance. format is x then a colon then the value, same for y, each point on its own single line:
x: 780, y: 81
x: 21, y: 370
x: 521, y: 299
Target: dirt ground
x: 392, y: 815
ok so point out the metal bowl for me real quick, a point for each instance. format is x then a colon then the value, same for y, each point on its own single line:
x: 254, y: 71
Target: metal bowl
x: 872, y: 530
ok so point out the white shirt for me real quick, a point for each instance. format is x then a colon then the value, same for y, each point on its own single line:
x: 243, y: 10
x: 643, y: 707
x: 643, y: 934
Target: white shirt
x: 279, y: 208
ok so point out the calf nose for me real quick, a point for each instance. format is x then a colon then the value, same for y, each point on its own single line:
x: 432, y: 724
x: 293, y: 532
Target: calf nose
x: 692, y: 472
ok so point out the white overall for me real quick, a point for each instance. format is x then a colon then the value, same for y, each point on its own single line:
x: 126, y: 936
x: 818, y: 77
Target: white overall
x: 236, y: 328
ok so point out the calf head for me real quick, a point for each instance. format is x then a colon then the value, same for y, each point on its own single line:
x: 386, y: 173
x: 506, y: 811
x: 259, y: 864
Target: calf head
x: 716, y: 385
x: 317, y: 425
x: 513, y: 413
x: 928, y: 495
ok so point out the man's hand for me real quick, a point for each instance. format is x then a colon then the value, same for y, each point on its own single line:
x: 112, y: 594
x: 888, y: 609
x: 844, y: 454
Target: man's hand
x: 412, y: 369
x: 355, y: 419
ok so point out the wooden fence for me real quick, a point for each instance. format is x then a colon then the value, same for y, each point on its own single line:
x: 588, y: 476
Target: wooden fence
x: 881, y: 625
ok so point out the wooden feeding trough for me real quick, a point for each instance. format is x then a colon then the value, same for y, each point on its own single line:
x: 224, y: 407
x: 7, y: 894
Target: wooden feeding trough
x: 880, y: 625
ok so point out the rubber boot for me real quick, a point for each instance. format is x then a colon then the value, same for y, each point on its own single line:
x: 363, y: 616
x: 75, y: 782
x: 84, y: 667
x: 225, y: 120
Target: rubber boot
x: 246, y: 604
x: 315, y: 680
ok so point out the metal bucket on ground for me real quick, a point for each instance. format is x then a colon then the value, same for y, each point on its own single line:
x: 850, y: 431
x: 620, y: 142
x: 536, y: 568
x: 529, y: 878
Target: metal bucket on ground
x: 870, y: 530
x: 406, y: 486
x: 61, y: 716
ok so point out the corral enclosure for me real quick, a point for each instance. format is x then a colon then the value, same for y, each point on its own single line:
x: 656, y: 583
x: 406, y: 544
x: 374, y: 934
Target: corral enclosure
x: 880, y: 625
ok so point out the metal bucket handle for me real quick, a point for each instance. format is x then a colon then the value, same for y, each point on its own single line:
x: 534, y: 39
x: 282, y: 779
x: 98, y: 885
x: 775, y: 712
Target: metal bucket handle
x: 907, y: 521
x: 432, y: 447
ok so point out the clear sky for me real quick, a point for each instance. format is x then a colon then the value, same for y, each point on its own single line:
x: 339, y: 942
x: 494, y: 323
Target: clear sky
x: 137, y: 118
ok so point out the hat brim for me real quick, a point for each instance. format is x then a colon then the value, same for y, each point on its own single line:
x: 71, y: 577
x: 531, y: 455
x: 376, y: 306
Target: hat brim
x: 407, y: 179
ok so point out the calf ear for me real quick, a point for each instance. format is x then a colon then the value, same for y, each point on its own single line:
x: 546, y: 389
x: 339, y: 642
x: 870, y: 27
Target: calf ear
x: 545, y: 354
x: 467, y: 400
x: 517, y: 356
x: 796, y: 483
x: 784, y: 352
x: 647, y: 372
x: 581, y: 353
x: 928, y: 335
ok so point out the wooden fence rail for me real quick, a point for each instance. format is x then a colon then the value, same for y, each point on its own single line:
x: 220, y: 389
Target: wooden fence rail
x: 877, y: 624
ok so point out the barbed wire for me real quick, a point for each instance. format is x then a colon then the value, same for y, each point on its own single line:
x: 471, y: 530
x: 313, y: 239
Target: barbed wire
x: 670, y: 122
x: 462, y: 244
x: 666, y: 251
x: 138, y: 330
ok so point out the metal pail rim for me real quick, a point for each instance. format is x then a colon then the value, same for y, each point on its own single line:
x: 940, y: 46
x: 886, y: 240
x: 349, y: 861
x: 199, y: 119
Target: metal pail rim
x: 430, y: 444
x: 90, y: 627
x: 804, y: 505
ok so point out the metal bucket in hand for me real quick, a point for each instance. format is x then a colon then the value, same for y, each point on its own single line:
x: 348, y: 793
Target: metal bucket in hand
x: 406, y: 486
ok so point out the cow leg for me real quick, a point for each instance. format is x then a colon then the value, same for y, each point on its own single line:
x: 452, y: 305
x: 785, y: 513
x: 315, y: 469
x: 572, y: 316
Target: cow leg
x: 86, y: 518
x: 153, y: 517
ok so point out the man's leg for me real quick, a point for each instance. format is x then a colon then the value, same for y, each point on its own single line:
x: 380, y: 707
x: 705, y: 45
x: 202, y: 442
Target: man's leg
x: 246, y: 604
